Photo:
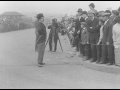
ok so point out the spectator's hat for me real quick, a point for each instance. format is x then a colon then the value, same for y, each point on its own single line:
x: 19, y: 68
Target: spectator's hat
x: 106, y: 13
x: 39, y: 16
x: 84, y: 12
x: 79, y: 10
x: 115, y: 12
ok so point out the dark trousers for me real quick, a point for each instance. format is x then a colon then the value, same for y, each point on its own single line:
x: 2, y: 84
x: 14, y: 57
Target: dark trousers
x: 55, y: 42
x: 111, y: 54
x: 99, y: 52
x: 82, y: 49
x: 93, y: 42
x: 87, y: 50
x: 77, y: 40
x: 108, y: 55
x: 104, y: 54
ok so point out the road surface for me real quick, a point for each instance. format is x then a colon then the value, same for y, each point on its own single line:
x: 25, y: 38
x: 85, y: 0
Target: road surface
x: 19, y: 70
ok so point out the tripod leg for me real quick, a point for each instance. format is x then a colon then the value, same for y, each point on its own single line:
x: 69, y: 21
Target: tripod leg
x: 60, y: 44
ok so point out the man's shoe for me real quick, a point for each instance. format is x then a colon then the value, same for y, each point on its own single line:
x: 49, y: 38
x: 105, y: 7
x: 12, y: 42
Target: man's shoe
x: 93, y: 60
x: 87, y: 58
x: 39, y: 65
x: 109, y: 63
x: 98, y: 61
x: 102, y: 62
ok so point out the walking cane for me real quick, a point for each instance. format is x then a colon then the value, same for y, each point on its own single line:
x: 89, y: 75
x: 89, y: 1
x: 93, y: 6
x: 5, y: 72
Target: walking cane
x: 47, y: 41
x: 60, y: 44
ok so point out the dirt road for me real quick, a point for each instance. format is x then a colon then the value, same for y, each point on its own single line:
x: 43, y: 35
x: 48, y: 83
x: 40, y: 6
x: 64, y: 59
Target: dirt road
x: 18, y: 66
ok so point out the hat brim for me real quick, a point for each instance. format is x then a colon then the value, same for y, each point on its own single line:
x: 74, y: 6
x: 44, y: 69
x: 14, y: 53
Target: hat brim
x: 105, y: 14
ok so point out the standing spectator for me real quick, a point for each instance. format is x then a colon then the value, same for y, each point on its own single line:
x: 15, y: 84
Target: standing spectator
x: 41, y: 35
x: 77, y: 28
x: 87, y: 45
x: 99, y: 49
x: 84, y: 38
x: 92, y: 8
x: 93, y: 28
x: 107, y: 52
x: 116, y: 39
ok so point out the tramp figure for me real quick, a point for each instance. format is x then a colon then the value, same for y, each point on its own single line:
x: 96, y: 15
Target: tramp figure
x: 41, y: 35
x: 53, y: 35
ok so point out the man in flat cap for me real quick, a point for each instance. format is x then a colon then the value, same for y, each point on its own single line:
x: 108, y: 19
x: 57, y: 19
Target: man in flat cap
x: 93, y: 28
x: 107, y: 42
x: 78, y: 28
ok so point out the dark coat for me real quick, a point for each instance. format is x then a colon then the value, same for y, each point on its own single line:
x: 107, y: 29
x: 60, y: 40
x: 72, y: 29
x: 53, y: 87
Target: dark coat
x: 78, y: 25
x: 107, y: 33
x: 84, y: 36
x: 41, y: 33
x: 94, y: 33
x: 53, y: 29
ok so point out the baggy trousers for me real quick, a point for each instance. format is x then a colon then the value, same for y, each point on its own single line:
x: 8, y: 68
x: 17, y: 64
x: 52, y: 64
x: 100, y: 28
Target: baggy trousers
x: 41, y: 52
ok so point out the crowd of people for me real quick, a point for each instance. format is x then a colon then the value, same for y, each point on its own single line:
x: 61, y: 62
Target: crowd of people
x: 96, y: 35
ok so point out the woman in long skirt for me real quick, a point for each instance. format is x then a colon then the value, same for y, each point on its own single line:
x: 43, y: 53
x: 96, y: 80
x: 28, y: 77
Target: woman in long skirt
x: 40, y: 31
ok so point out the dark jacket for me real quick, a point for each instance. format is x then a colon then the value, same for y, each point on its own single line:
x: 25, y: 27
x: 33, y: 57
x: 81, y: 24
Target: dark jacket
x: 41, y: 33
x: 107, y: 33
x: 53, y: 29
x: 95, y: 31
x: 78, y: 25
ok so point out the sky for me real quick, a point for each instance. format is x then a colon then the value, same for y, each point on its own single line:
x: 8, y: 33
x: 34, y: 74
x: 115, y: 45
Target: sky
x: 58, y: 7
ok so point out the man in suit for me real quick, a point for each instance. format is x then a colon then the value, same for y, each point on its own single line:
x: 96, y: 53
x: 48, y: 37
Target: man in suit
x: 53, y: 35
x: 78, y: 28
x: 107, y: 41
x: 93, y: 28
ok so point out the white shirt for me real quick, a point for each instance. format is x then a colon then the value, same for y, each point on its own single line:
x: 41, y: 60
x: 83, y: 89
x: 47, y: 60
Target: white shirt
x: 86, y: 18
x: 116, y: 35
x: 106, y: 21
x: 101, y: 33
x: 79, y: 18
